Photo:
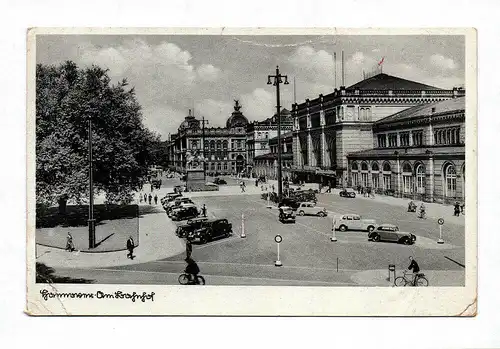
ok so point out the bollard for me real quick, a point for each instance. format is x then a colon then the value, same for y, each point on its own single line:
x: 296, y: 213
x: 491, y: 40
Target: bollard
x: 278, y: 240
x: 334, y: 237
x: 392, y: 267
x: 440, y: 222
x: 242, y: 235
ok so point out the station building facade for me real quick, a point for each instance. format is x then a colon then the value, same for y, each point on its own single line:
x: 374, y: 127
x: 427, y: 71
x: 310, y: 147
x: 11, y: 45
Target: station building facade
x: 331, y: 126
x: 267, y: 164
x: 224, y: 148
x: 259, y: 134
x: 418, y: 153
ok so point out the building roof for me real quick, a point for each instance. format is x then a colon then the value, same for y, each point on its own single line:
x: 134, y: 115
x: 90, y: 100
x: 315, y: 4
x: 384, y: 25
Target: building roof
x: 388, y: 82
x: 426, y: 110
x: 237, y: 119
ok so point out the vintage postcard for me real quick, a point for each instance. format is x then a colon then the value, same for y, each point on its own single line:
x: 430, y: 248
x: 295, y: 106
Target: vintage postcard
x: 290, y: 172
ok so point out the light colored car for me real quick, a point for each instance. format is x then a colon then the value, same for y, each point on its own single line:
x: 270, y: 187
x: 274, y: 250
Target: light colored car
x: 390, y: 232
x: 355, y: 222
x: 182, y: 206
x: 310, y: 208
x: 177, y: 202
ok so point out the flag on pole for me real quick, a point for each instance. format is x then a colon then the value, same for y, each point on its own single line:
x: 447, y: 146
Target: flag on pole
x: 381, y: 61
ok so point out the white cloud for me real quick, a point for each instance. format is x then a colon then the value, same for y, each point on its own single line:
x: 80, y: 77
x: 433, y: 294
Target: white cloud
x: 208, y: 72
x: 316, y: 65
x: 442, y: 62
x: 259, y: 104
x: 216, y: 112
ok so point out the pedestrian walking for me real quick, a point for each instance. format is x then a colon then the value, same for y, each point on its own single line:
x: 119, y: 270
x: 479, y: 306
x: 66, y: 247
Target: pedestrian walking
x: 329, y: 190
x: 130, y: 247
x: 150, y: 198
x: 156, y: 200
x: 140, y: 197
x: 189, y: 248
x: 69, y: 243
x: 151, y: 187
x: 145, y: 197
x: 456, y: 209
x: 204, y: 210
x: 272, y: 187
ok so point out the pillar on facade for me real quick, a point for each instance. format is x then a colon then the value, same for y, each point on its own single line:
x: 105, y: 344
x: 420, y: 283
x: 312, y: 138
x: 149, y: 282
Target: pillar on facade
x: 323, y: 146
x: 398, y: 175
x: 431, y: 178
x: 310, y: 157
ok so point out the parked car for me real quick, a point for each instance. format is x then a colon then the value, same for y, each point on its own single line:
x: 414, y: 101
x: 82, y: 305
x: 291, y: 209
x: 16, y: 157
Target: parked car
x: 176, y: 203
x: 191, y: 225
x: 355, y: 222
x: 390, y: 232
x: 219, y: 181
x: 310, y: 208
x: 180, y: 207
x: 286, y: 214
x: 170, y: 197
x: 347, y: 193
x: 184, y: 212
x: 211, y: 229
x: 294, y: 204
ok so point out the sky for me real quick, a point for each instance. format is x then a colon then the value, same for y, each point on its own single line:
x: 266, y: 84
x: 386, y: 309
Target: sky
x: 174, y: 73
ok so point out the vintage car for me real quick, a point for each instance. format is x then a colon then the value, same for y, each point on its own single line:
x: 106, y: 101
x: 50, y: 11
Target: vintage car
x: 176, y: 203
x: 310, y: 208
x: 294, y: 204
x: 286, y: 214
x: 191, y: 225
x: 211, y: 229
x: 304, y: 195
x: 347, y: 193
x: 390, y: 232
x: 355, y: 222
x: 170, y: 197
x: 184, y: 212
x: 219, y: 181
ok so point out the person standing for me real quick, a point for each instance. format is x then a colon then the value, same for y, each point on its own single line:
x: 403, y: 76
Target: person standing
x: 457, y: 209
x: 69, y: 243
x: 204, y: 210
x: 151, y: 187
x: 130, y: 247
x: 156, y: 199
x: 150, y: 198
x: 140, y: 197
x: 145, y: 197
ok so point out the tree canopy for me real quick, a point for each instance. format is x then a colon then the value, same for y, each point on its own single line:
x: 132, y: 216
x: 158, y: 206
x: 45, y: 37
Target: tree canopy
x: 123, y: 148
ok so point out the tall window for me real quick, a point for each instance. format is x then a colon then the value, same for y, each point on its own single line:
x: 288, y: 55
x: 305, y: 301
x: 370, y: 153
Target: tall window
x: 219, y: 166
x: 417, y: 137
x: 420, y: 179
x: 382, y: 141
x: 194, y: 144
x: 407, y: 178
x: 225, y: 166
x: 404, y: 139
x: 364, y: 175
x: 387, y: 175
x: 393, y: 139
x: 446, y: 136
x: 450, y: 175
x: 375, y: 176
x: 354, y: 174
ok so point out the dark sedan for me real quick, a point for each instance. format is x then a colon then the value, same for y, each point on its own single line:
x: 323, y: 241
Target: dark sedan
x: 211, y: 229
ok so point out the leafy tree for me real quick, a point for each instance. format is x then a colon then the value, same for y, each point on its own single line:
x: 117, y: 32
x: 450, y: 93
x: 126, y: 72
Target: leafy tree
x: 123, y: 148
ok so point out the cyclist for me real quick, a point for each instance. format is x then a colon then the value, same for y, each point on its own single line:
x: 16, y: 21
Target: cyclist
x: 192, y: 269
x: 415, y: 269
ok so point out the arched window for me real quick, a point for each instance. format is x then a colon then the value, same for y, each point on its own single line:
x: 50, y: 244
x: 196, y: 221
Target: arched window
x: 364, y: 175
x: 375, y: 176
x: 407, y: 178
x: 420, y: 172
x: 450, y: 176
x: 386, y: 174
x: 212, y: 145
x: 354, y: 174
x: 224, y: 145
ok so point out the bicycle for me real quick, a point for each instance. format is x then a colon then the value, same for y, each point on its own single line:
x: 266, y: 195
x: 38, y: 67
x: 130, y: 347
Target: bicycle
x: 420, y: 280
x: 184, y: 279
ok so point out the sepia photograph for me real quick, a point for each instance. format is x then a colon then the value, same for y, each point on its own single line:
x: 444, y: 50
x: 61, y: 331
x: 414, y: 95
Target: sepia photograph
x: 170, y: 165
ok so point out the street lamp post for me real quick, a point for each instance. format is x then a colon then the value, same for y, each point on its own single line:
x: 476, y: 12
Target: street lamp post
x: 276, y: 82
x: 91, y: 219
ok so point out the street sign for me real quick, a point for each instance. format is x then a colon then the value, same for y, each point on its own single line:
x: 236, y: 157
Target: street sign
x: 278, y: 238
x: 440, y: 221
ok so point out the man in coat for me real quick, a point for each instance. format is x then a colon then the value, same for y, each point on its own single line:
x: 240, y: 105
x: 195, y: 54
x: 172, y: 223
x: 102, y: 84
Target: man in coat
x: 130, y: 247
